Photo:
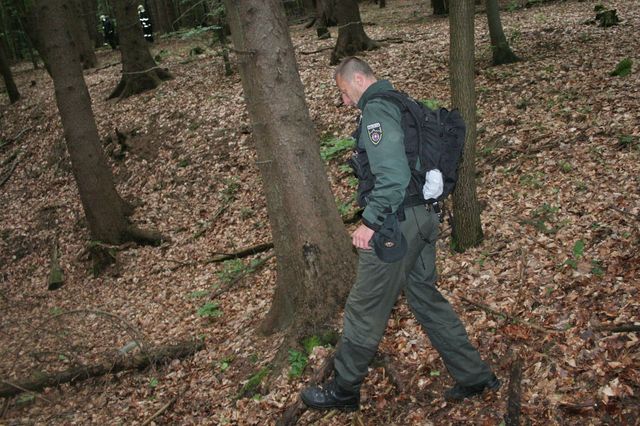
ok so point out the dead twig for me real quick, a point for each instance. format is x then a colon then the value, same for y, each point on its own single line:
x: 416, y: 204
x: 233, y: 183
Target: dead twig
x: 635, y: 216
x: 316, y: 51
x: 6, y: 382
x: 511, y: 318
x: 162, y: 409
x: 512, y: 417
x: 8, y: 174
x: 618, y: 328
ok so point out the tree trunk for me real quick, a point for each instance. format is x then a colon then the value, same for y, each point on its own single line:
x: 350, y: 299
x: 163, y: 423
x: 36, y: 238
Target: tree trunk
x: 502, y: 53
x: 90, y: 12
x: 139, y: 71
x: 5, y: 70
x: 351, y: 36
x: 467, y: 229
x: 102, y: 205
x: 315, y: 260
x: 440, y: 7
x: 77, y: 25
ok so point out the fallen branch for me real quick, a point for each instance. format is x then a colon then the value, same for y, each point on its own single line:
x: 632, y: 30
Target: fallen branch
x: 512, y: 418
x: 20, y: 388
x: 208, y: 224
x: 511, y: 318
x: 293, y: 413
x: 620, y: 328
x: 316, y: 51
x: 8, y: 174
x: 160, y: 411
x: 76, y: 374
x: 635, y: 216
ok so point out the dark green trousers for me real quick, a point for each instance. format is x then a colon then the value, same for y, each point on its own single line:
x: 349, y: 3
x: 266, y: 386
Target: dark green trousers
x: 375, y: 292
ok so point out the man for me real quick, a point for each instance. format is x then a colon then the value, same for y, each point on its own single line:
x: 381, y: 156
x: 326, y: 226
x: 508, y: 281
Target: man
x: 381, y: 278
x: 109, y: 31
x: 145, y: 21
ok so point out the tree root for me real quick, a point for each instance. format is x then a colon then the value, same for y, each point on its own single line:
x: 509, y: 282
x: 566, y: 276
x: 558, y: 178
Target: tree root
x: 134, y: 83
x: 76, y: 374
x: 512, y: 417
x: 293, y: 413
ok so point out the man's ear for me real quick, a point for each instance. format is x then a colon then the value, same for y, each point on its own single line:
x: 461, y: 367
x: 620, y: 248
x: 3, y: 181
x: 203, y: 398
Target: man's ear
x: 358, y: 79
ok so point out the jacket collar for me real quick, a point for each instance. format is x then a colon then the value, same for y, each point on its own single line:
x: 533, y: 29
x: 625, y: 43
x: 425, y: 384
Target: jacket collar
x: 377, y: 87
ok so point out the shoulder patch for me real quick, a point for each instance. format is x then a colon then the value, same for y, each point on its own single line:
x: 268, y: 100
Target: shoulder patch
x: 375, y: 133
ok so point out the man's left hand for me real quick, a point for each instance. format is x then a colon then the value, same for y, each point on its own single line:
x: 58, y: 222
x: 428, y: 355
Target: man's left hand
x: 361, y: 237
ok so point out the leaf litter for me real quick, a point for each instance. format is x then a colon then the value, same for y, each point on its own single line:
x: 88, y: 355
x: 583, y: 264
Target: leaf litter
x: 558, y: 177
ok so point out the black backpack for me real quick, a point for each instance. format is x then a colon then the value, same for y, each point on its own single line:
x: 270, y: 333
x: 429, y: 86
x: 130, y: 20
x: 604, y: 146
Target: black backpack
x: 434, y: 137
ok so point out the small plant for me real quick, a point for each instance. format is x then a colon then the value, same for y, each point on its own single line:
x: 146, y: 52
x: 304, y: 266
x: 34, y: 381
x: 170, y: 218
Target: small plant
x: 434, y: 373
x: 533, y: 180
x: 298, y: 361
x: 184, y: 163
x: 225, y: 363
x: 432, y: 104
x: 623, y: 68
x: 628, y: 141
x: 251, y: 387
x: 565, y: 166
x: 597, y: 268
x: 209, y: 310
x: 153, y: 382
x: 578, y: 252
x: 198, y: 294
x: 246, y: 213
x: 231, y: 188
x: 234, y: 268
x: 332, y: 147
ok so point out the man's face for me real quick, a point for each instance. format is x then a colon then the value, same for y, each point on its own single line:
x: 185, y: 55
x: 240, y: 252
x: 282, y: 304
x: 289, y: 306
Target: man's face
x: 349, y: 90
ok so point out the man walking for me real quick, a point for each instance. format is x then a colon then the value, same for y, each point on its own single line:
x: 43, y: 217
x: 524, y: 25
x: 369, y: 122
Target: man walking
x: 396, y: 245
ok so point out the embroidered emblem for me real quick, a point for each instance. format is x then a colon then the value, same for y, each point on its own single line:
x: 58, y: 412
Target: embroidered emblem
x: 375, y: 133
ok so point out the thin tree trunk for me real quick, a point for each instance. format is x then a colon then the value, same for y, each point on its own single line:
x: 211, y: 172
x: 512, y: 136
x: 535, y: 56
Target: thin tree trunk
x: 139, y: 71
x: 351, y: 36
x: 5, y: 70
x: 467, y: 229
x: 90, y: 12
x: 315, y: 260
x: 102, y: 205
x: 502, y: 53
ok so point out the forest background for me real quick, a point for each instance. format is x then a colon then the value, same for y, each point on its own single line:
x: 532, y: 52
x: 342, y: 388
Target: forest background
x: 557, y: 272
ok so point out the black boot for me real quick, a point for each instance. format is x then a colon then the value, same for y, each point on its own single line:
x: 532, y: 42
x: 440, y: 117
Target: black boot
x: 459, y: 392
x: 331, y: 395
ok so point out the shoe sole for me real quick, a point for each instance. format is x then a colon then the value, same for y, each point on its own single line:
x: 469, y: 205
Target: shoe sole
x: 345, y: 408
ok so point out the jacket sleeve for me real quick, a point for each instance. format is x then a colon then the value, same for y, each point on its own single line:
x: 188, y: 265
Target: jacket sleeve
x: 387, y: 159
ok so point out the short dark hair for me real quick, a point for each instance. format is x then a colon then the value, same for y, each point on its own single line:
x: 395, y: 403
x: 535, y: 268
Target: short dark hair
x: 353, y: 64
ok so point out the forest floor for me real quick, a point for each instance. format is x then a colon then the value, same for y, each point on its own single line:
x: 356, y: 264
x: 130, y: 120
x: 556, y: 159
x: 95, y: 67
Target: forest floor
x: 558, y: 175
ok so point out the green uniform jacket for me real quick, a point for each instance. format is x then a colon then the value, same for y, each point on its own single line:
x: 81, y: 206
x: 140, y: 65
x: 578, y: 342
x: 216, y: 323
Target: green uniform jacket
x: 383, y: 139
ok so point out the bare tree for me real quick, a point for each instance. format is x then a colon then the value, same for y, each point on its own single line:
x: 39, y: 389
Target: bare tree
x: 139, y: 71
x: 502, y: 53
x: 315, y: 259
x: 103, y: 207
x: 467, y: 229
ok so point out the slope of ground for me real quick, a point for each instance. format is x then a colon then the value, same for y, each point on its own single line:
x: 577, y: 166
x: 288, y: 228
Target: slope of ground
x: 558, y: 174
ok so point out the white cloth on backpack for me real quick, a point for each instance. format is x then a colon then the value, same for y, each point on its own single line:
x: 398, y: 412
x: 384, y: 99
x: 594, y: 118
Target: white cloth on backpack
x: 433, y: 185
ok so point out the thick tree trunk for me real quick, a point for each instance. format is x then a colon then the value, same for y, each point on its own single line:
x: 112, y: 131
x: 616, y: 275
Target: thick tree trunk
x: 351, y: 36
x: 440, y: 7
x: 502, y: 53
x: 102, y: 204
x: 77, y: 25
x: 5, y: 70
x: 467, y: 229
x: 90, y: 11
x: 160, y: 16
x: 315, y: 260
x: 139, y: 71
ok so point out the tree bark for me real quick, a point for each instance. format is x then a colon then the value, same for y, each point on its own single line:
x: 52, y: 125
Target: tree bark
x: 5, y: 70
x: 351, y: 36
x: 467, y: 229
x: 314, y: 256
x: 77, y: 25
x: 502, y: 53
x: 102, y: 205
x: 160, y: 16
x: 90, y: 12
x: 139, y: 71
